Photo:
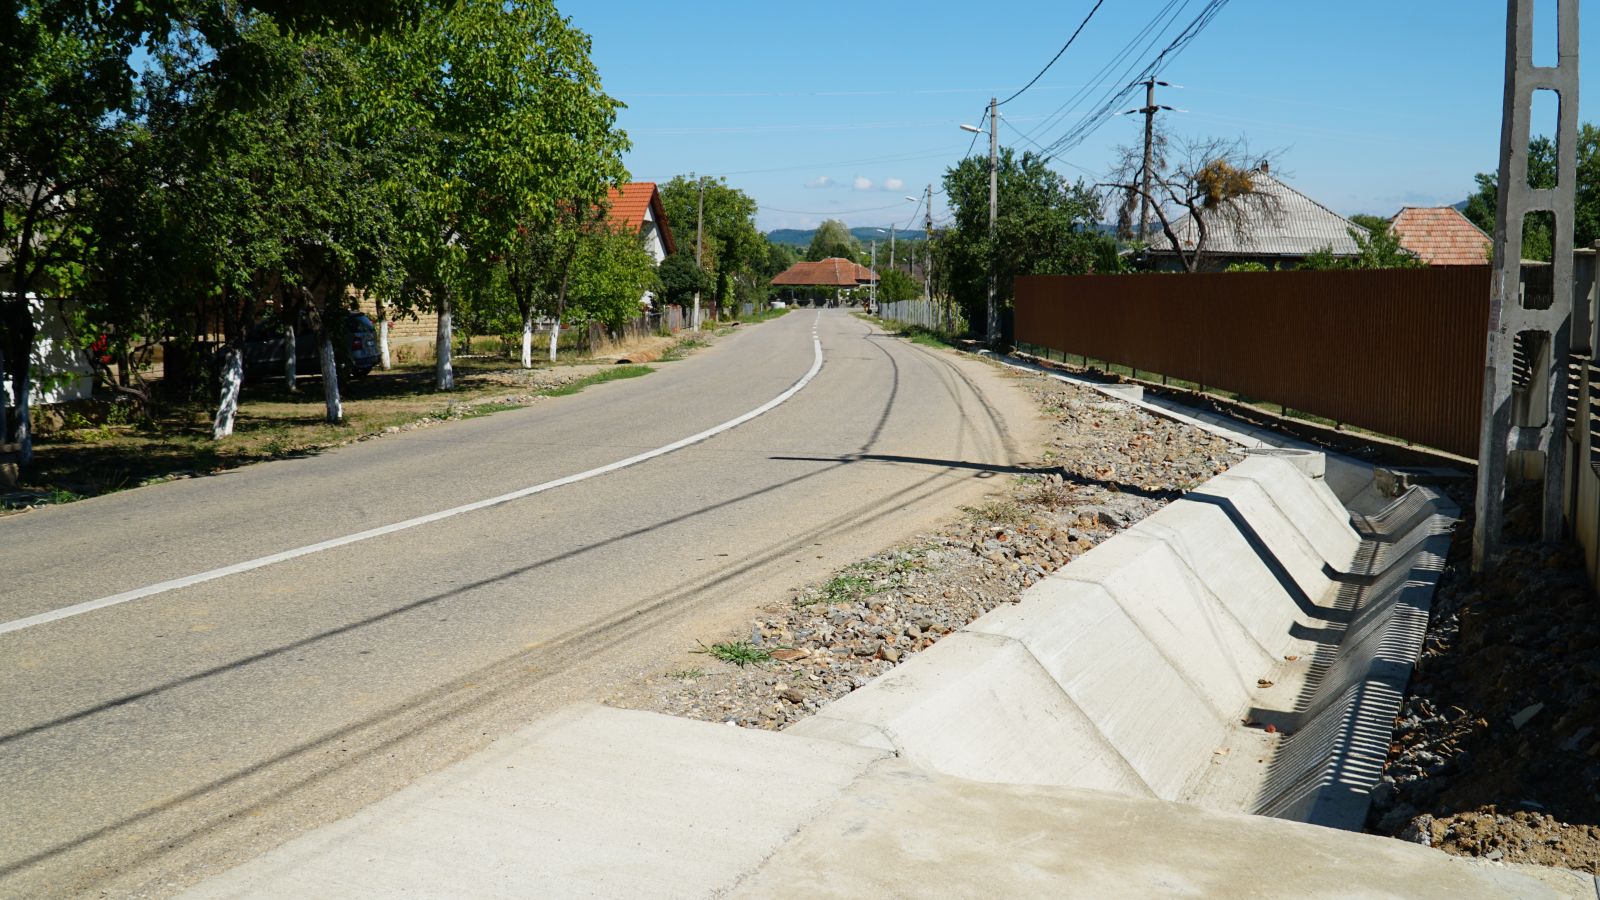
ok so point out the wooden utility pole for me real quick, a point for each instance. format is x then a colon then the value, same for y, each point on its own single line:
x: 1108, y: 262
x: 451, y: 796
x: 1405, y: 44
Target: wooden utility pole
x: 991, y: 314
x: 927, y: 255
x: 699, y: 223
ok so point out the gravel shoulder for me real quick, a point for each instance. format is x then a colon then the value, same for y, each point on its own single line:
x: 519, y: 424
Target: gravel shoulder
x: 1107, y: 465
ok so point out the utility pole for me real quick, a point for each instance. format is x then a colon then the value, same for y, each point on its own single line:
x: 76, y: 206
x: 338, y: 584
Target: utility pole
x: 872, y: 288
x: 1149, y: 109
x: 891, y: 246
x: 927, y: 254
x: 699, y: 222
x: 992, y: 315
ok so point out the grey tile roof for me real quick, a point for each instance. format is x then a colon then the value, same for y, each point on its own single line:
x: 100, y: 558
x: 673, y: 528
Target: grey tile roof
x: 1291, y: 224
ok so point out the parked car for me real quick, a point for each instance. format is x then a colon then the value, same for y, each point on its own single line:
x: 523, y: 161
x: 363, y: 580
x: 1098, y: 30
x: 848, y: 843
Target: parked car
x: 355, y: 348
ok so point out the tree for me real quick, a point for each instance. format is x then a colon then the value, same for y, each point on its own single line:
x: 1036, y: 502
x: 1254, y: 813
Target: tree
x: 732, y: 245
x: 1537, y: 242
x: 1377, y: 248
x: 833, y: 238
x: 506, y: 111
x: 64, y: 92
x: 1209, y: 182
x: 681, y: 279
x: 610, y: 274
x: 1046, y: 226
x: 895, y: 285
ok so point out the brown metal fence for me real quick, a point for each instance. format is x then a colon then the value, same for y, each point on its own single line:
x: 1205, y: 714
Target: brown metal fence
x: 1396, y: 351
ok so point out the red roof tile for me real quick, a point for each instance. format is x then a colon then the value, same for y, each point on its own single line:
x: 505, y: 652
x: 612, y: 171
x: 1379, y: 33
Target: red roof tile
x: 1441, y: 236
x: 831, y: 272
x: 629, y: 203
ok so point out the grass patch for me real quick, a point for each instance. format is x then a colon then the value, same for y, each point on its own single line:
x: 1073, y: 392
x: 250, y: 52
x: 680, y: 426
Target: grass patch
x: 740, y: 653
x: 683, y: 348
x: 478, y: 410
x: 1000, y: 512
x: 601, y: 377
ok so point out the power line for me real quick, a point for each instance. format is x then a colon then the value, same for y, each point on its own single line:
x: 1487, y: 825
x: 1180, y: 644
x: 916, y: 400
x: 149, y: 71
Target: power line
x: 1169, y: 13
x: 1053, y: 59
x: 1090, y: 123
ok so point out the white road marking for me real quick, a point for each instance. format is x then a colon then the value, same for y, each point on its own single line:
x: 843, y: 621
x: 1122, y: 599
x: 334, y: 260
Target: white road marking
x: 79, y: 609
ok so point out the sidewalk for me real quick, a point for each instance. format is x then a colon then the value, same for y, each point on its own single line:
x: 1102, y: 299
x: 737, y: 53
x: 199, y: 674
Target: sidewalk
x: 597, y: 802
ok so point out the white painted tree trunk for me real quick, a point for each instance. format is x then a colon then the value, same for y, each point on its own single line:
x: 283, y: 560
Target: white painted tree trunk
x: 555, y: 337
x: 444, y: 377
x: 228, y: 405
x: 383, y: 342
x: 330, y: 381
x: 291, y: 373
x: 694, y: 321
x: 527, y: 339
x: 24, y: 418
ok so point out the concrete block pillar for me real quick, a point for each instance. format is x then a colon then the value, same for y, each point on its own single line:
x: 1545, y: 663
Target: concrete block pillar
x: 1525, y: 375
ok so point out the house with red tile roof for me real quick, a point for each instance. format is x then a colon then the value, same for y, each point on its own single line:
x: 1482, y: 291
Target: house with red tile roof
x: 1441, y: 236
x: 637, y: 208
x: 834, y: 272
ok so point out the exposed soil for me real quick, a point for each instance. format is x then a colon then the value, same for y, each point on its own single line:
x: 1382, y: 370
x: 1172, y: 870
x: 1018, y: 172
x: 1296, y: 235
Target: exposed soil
x: 1497, y: 751
x: 1110, y: 464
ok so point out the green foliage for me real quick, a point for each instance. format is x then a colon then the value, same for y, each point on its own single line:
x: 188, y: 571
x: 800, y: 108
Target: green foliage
x: 731, y: 245
x: 1378, y: 248
x: 681, y: 278
x: 833, y: 238
x: 1046, y: 226
x: 895, y: 285
x: 1537, y: 242
x: 1248, y: 267
x: 616, y: 373
x: 611, y: 272
x: 739, y: 653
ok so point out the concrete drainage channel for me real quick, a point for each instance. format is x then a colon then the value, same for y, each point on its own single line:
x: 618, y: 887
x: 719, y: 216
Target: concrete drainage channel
x: 1246, y: 648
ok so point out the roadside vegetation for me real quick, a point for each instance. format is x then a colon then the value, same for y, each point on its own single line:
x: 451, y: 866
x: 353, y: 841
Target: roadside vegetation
x: 81, y: 457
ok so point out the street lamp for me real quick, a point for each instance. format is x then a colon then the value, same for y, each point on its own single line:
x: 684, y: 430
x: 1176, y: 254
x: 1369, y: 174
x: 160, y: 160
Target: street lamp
x: 991, y: 323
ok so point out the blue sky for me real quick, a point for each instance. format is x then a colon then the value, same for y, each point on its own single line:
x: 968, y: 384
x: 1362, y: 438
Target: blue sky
x: 839, y: 110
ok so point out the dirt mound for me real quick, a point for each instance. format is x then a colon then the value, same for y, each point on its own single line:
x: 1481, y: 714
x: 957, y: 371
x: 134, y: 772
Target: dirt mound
x: 1497, y: 751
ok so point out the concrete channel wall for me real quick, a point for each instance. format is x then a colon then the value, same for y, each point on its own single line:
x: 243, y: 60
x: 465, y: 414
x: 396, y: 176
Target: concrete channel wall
x: 1153, y: 665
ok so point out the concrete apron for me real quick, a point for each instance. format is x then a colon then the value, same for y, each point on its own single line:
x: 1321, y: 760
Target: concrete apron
x: 1246, y: 648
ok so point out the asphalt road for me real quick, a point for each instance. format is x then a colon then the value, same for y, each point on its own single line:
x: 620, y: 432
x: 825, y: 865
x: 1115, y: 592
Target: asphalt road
x: 146, y: 744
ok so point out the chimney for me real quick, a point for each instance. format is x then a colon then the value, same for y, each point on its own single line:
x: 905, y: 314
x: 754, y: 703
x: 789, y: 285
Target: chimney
x: 1266, y: 166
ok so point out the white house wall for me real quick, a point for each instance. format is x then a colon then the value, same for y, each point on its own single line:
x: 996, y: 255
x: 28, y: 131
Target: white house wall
x: 60, y: 372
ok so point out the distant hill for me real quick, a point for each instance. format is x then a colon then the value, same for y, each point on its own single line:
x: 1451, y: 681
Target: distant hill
x: 801, y: 237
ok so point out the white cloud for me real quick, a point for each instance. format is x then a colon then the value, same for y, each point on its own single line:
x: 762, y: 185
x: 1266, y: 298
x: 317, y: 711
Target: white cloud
x: 821, y: 181
x: 893, y: 184
x: 863, y: 184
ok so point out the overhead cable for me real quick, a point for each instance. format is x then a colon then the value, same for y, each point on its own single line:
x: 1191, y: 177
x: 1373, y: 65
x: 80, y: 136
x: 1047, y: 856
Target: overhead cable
x: 1053, y: 59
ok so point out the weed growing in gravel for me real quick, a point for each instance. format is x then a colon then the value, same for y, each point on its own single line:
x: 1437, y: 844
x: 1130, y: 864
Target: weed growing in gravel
x: 687, y: 674
x: 484, y: 409
x: 1000, y: 512
x: 740, y: 653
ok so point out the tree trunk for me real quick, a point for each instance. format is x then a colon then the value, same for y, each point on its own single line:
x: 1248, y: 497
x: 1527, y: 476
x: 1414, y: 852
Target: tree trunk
x: 17, y: 332
x: 290, y: 351
x: 383, y: 341
x: 527, y: 338
x: 330, y: 380
x: 228, y: 403
x: 444, y: 377
x: 555, y: 335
